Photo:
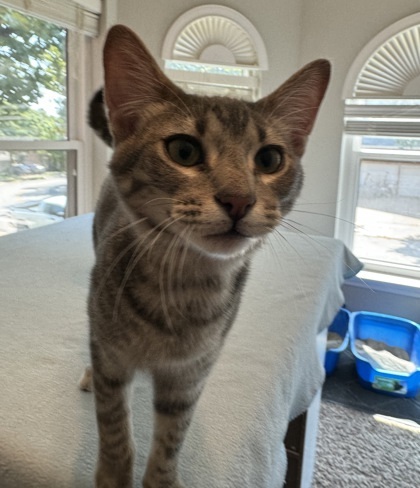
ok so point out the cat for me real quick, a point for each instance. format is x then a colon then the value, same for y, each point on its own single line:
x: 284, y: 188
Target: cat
x: 196, y: 183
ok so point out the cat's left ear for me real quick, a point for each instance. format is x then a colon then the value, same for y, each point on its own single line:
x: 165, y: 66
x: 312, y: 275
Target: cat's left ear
x: 297, y: 101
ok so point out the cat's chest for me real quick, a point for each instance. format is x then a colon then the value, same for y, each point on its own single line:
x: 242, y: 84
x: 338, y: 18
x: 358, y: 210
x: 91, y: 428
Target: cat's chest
x: 170, y: 314
x: 183, y: 290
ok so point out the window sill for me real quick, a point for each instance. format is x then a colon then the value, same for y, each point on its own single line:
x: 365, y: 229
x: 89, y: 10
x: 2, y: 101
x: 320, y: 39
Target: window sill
x: 380, y: 282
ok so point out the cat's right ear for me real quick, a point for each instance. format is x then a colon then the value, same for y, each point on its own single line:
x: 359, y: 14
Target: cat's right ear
x: 133, y: 80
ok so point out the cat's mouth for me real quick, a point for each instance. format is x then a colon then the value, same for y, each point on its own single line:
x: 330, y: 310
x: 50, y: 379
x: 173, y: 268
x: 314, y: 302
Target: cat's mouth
x: 228, y: 243
x: 230, y: 234
x: 229, y: 239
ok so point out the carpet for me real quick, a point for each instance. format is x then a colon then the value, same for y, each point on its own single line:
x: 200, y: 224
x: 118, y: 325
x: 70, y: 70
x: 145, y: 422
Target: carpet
x: 355, y: 450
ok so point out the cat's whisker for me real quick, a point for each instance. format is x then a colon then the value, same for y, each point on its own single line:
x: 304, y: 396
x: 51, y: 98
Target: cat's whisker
x: 163, y: 301
x: 277, y: 234
x: 269, y: 243
x: 302, y: 111
x: 174, y: 249
x: 334, y: 217
x: 114, y: 264
x: 135, y: 107
x: 174, y: 91
x: 123, y: 229
x: 314, y: 241
x: 296, y: 226
x: 302, y: 203
x: 299, y: 224
x: 303, y: 234
x: 172, y: 221
x: 182, y: 262
x: 135, y: 258
x: 137, y: 243
x: 167, y: 199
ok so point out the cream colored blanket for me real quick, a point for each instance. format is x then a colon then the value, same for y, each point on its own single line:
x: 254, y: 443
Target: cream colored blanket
x: 268, y: 372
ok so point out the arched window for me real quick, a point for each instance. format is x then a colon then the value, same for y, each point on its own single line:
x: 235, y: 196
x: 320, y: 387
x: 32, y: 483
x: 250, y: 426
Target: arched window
x: 215, y: 50
x: 379, y: 191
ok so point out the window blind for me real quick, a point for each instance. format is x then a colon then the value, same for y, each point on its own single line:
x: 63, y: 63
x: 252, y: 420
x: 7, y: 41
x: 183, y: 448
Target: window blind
x: 79, y: 15
x: 386, y: 120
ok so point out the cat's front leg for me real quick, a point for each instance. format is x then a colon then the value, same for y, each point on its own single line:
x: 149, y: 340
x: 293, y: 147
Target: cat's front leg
x: 175, y: 396
x: 116, y: 449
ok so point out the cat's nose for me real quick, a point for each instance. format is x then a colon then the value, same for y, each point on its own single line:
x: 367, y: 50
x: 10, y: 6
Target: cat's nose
x: 236, y: 206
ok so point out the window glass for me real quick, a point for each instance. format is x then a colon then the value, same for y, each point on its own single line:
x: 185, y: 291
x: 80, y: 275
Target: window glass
x: 33, y: 189
x: 207, y: 68
x: 33, y: 72
x: 215, y: 80
x: 387, y: 221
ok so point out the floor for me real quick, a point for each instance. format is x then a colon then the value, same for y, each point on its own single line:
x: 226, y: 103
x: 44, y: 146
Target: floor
x: 343, y: 387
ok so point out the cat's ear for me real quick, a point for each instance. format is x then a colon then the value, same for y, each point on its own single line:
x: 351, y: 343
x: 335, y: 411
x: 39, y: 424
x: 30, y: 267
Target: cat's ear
x: 296, y: 102
x: 133, y: 79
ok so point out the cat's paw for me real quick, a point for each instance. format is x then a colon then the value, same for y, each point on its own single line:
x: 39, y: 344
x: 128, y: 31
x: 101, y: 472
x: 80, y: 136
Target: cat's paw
x: 86, y: 381
x: 103, y: 481
x: 155, y: 483
x: 176, y: 484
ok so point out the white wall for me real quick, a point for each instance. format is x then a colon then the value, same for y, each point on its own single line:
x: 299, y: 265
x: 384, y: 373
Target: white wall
x: 401, y: 301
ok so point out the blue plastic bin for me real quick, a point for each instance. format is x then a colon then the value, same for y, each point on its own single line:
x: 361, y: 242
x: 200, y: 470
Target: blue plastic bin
x: 340, y: 325
x: 396, y: 332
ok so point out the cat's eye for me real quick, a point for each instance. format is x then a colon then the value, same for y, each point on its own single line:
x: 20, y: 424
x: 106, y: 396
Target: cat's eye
x: 269, y: 159
x: 184, y: 150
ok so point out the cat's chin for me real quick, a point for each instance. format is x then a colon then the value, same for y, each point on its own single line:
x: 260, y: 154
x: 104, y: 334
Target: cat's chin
x: 227, y: 245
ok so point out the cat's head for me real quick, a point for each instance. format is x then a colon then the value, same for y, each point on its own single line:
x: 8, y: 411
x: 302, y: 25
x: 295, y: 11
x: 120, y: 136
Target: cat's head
x: 217, y: 172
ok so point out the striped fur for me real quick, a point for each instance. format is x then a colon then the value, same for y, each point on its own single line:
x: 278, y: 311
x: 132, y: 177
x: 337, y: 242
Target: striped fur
x: 173, y: 242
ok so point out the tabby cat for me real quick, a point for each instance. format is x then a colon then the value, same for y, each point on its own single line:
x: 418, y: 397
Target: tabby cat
x: 195, y: 185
